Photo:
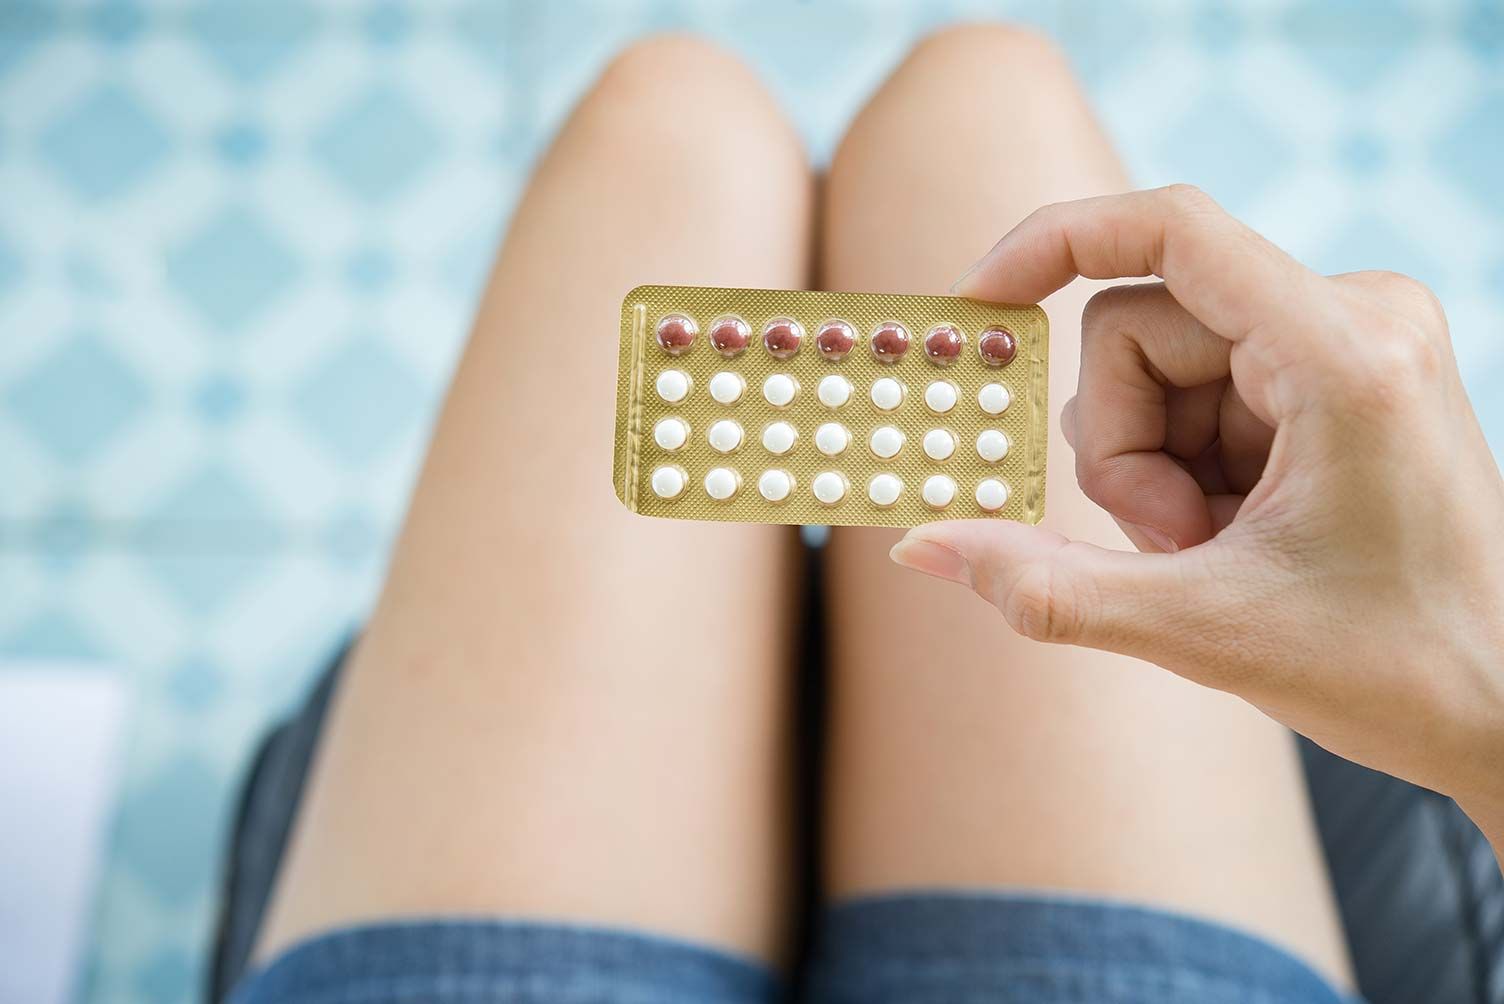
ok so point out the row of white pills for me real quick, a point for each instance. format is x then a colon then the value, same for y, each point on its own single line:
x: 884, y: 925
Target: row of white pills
x: 829, y: 487
x: 834, y: 391
x: 831, y: 438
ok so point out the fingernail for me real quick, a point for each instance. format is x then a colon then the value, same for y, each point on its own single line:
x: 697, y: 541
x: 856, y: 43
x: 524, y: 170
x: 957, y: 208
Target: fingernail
x: 932, y: 559
x: 1159, y: 539
x: 955, y: 287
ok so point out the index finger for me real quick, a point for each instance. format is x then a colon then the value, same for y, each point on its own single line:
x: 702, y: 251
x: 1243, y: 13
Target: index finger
x: 1229, y: 277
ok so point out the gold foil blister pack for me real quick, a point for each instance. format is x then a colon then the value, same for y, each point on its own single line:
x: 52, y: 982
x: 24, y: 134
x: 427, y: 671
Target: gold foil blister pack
x: 867, y: 409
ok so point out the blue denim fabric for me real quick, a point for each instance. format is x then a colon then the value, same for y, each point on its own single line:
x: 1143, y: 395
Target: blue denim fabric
x: 914, y: 948
x: 474, y: 961
x: 960, y: 948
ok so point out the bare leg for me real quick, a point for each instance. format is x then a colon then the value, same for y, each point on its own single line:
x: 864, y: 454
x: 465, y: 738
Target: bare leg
x: 552, y: 714
x: 962, y: 755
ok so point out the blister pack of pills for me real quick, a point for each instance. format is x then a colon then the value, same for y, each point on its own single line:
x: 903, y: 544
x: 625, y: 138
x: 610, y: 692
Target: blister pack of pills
x: 869, y: 409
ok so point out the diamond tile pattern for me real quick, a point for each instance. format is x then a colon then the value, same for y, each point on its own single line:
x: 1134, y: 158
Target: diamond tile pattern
x: 105, y: 145
x: 252, y: 39
x: 356, y: 402
x: 377, y: 145
x: 215, y: 216
x: 232, y: 269
x: 78, y: 399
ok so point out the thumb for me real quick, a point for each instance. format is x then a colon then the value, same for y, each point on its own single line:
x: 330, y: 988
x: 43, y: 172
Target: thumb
x: 1057, y: 590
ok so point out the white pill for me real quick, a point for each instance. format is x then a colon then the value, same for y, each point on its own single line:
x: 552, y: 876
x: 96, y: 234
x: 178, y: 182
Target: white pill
x: 991, y: 494
x: 939, y: 444
x: 938, y: 491
x: 670, y: 433
x: 940, y: 396
x: 775, y: 485
x: 779, y: 437
x: 993, y: 398
x: 829, y: 487
x: 779, y: 389
x: 725, y: 435
x: 887, y: 393
x: 884, y: 489
x: 727, y: 387
x: 832, y: 439
x: 673, y: 385
x: 721, y: 483
x: 886, y: 441
x: 668, y: 482
x: 834, y: 391
x: 992, y: 445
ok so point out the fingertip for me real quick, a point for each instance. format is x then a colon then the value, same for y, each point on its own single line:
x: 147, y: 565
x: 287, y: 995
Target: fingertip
x: 933, y: 558
x: 1068, y: 422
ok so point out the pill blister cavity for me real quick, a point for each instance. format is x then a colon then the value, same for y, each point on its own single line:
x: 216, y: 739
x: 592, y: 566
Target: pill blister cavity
x: 668, y: 481
x: 781, y: 337
x: 779, y: 389
x: 943, y: 344
x: 832, y: 438
x: 993, y: 398
x: 884, y: 489
x: 775, y: 485
x: 672, y: 385
x: 997, y: 346
x: 724, y: 435
x: 670, y: 433
x: 676, y: 333
x: 940, y: 396
x: 721, y: 483
x: 727, y: 387
x: 886, y: 441
x: 729, y: 335
x: 887, y: 393
x: 992, y: 494
x: 829, y: 487
x: 939, y: 444
x: 835, y: 340
x: 890, y: 340
x: 833, y: 391
x: 992, y: 445
x: 938, y: 492
x: 779, y: 437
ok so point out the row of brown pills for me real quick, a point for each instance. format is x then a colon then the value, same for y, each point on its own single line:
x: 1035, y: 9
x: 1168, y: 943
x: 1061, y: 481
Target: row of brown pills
x: 835, y: 339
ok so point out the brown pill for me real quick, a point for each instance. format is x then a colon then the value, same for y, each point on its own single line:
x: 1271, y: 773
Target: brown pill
x: 997, y: 346
x: 890, y: 340
x: 781, y: 337
x: 729, y: 335
x: 943, y: 344
x: 676, y: 333
x: 835, y: 340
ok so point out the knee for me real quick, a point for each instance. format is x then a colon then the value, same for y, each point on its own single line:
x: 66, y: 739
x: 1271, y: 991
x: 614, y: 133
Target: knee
x: 980, y: 52
x: 682, y: 87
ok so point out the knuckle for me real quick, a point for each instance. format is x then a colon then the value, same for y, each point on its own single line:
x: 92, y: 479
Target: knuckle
x: 1388, y: 360
x: 1044, y: 605
x: 1186, y: 199
x: 1102, y: 307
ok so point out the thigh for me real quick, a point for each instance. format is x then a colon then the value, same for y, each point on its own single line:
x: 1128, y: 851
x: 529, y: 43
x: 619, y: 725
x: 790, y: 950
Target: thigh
x: 555, y: 712
x: 962, y: 755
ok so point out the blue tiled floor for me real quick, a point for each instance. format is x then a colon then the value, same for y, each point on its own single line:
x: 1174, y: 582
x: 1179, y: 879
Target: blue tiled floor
x: 240, y: 242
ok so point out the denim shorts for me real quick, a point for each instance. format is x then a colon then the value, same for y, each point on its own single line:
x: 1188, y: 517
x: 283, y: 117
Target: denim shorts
x: 919, y: 948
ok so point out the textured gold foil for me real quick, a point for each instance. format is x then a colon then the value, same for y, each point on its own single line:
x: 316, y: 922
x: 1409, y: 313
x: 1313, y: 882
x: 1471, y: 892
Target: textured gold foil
x: 639, y: 407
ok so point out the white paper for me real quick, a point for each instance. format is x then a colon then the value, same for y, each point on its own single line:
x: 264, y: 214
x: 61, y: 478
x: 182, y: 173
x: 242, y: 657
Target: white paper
x: 60, y: 731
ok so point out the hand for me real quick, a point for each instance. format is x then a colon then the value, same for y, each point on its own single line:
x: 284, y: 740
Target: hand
x: 1302, y: 452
